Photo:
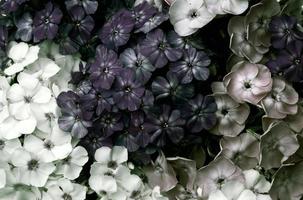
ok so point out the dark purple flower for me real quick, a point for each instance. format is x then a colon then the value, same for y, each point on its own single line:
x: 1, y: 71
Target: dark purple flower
x: 289, y: 62
x: 193, y: 65
x: 72, y: 118
x: 46, y: 22
x: 3, y: 37
x: 110, y: 123
x: 11, y: 5
x: 200, y: 112
x: 171, y: 87
x: 176, y: 41
x: 140, y: 64
x: 283, y: 31
x: 116, y: 31
x: 82, y: 24
x: 105, y: 68
x: 136, y: 135
x: 94, y: 140
x: 25, y: 27
x: 147, y: 100
x: 156, y: 48
x: 142, y: 13
x: 153, y: 22
x: 167, y: 124
x: 100, y: 101
x: 90, y: 6
x: 129, y: 92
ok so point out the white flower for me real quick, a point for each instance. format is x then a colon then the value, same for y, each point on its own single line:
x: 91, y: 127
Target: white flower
x: 22, y: 55
x: 56, y: 146
x: 72, y: 165
x: 220, y: 7
x: 43, y: 69
x: 110, y: 177
x: 4, y: 86
x: 187, y: 16
x: 111, y: 157
x: 31, y: 169
x: 63, y: 189
x: 26, y: 96
x: 12, y: 128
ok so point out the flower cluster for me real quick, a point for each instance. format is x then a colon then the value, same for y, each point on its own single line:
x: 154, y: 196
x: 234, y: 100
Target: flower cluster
x: 151, y: 100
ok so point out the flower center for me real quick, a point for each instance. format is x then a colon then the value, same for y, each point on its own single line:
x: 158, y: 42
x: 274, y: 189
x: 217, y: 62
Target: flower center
x: 46, y: 21
x: 2, y: 144
x: 27, y: 99
x: 112, y: 164
x: 48, y: 145
x: 162, y: 46
x: 224, y: 111
x: 66, y: 197
x: 106, y: 70
x: 247, y: 85
x: 287, y: 31
x: 193, y: 14
x: 297, y: 61
x: 220, y: 182
x: 127, y: 89
x: 32, y: 164
x: 164, y: 125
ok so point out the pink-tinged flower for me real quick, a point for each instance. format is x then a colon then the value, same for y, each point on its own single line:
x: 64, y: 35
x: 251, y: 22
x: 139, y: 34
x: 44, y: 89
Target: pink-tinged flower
x: 248, y: 82
x: 281, y: 101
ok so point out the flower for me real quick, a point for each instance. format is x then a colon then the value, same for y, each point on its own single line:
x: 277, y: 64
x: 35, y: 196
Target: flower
x: 116, y: 31
x: 25, y: 27
x: 248, y: 82
x: 257, y: 21
x: 90, y: 6
x: 105, y: 68
x: 200, y: 113
x: 188, y: 16
x: 55, y: 146
x: 161, y: 174
x: 153, y: 22
x: 220, y: 7
x: 72, y: 120
x: 157, y: 49
x: 109, y: 177
x: 289, y: 62
x: 166, y: 124
x: 193, y: 65
x: 239, y: 43
x: 257, y: 183
x: 21, y: 55
x: 32, y: 170
x: 277, y: 144
x: 281, y: 101
x: 142, y: 13
x: 171, y: 87
x: 217, y: 174
x: 132, y: 58
x: 287, y: 182
x: 46, y: 22
x: 283, y: 31
x: 72, y: 165
x: 128, y: 91
x: 110, y: 123
x: 82, y: 24
x: 11, y: 5
x: 26, y: 96
x: 243, y: 150
x: 231, y: 115
x: 65, y: 189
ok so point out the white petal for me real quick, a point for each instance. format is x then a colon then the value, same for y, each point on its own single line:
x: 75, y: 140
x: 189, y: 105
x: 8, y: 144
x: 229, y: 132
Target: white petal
x: 2, y: 178
x: 18, y: 51
x: 27, y: 81
x: 27, y: 126
x: 103, y: 183
x: 119, y: 154
x: 43, y: 95
x: 15, y: 93
x: 103, y: 155
x: 20, y: 158
x: 33, y: 144
x: 13, y: 69
x: 217, y: 195
x: 62, y: 151
x: 79, y: 156
x: 31, y: 56
x: 183, y: 29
